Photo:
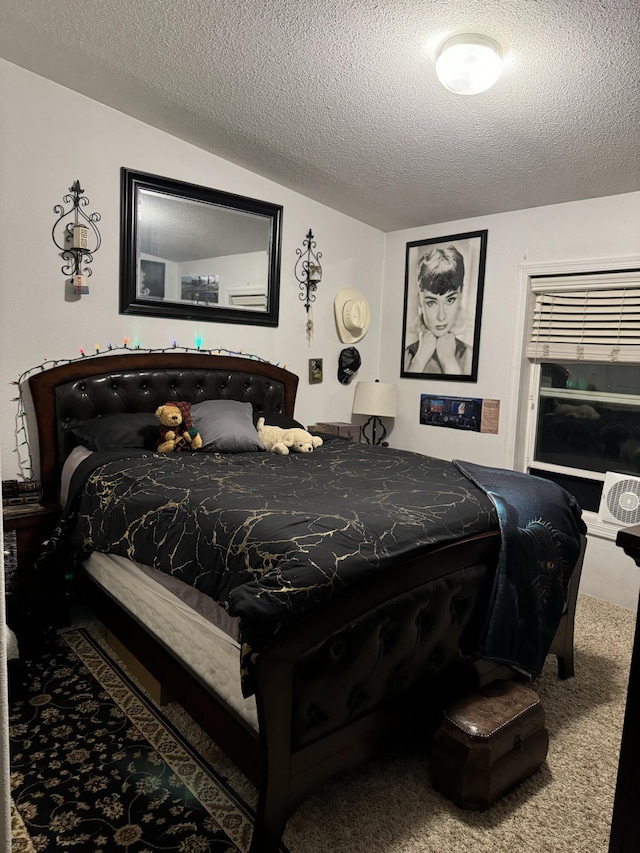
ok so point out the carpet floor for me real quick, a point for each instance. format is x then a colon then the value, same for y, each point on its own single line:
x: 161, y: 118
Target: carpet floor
x: 390, y: 806
x: 566, y: 807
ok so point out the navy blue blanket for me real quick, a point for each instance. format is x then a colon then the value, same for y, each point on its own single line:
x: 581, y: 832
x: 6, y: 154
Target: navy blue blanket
x: 541, y: 527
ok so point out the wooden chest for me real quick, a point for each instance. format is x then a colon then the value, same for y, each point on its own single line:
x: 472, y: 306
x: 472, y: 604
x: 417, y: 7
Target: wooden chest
x: 487, y: 743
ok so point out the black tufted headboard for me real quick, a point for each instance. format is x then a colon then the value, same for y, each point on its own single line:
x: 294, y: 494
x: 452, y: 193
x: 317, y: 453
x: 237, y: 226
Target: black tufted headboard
x: 140, y: 382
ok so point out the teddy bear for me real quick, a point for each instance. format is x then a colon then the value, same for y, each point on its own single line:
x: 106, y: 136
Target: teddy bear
x: 176, y: 428
x: 283, y: 441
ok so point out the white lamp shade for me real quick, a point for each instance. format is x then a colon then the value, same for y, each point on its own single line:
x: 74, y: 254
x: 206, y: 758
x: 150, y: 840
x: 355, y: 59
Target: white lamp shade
x: 375, y: 398
x: 469, y: 64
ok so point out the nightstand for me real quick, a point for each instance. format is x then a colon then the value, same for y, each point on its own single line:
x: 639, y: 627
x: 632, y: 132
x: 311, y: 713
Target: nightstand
x: 346, y: 430
x: 35, y: 603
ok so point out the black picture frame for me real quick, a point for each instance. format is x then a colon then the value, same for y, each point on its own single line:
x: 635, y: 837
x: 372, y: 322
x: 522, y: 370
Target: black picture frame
x: 198, y: 229
x: 454, y: 313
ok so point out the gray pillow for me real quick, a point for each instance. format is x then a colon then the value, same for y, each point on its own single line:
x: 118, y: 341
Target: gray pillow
x: 226, y: 426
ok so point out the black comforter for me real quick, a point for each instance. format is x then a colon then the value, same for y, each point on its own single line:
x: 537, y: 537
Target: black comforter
x: 270, y: 537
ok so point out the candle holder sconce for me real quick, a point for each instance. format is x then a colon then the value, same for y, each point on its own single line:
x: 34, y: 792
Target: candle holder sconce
x: 308, y: 272
x: 76, y: 235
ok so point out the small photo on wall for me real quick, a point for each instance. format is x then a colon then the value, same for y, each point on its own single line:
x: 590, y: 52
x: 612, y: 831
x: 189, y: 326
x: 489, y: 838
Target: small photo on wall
x: 453, y: 412
x: 315, y: 371
x: 444, y: 282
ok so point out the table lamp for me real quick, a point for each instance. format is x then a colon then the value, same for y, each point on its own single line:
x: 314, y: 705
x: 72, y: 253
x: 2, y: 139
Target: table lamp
x: 377, y: 399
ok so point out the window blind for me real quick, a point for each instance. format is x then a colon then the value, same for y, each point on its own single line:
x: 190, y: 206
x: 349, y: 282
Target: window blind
x: 593, y: 317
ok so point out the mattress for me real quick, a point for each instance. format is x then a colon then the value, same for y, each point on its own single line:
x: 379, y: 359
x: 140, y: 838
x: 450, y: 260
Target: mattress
x: 77, y: 455
x: 192, y: 634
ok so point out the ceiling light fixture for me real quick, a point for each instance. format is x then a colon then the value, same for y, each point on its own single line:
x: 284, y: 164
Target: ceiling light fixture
x: 469, y: 64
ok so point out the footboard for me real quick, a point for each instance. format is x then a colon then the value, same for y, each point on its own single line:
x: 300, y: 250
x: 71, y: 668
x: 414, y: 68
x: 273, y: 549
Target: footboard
x: 336, y: 686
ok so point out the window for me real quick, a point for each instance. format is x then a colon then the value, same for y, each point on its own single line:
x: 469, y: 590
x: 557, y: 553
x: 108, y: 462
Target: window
x: 584, y: 346
x: 592, y: 318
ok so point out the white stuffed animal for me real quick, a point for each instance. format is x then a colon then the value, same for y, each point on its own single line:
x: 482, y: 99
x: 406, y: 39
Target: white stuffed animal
x: 283, y: 441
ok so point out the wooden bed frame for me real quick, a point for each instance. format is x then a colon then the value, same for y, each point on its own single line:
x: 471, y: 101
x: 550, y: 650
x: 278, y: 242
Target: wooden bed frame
x: 318, y: 712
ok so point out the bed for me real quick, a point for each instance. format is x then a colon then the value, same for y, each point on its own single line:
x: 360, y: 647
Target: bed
x: 324, y: 651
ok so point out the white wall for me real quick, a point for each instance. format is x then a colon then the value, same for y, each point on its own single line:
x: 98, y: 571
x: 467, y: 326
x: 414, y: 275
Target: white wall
x: 589, y: 231
x: 585, y: 230
x: 50, y: 137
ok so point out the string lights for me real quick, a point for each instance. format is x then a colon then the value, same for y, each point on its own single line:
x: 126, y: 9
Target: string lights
x: 23, y: 449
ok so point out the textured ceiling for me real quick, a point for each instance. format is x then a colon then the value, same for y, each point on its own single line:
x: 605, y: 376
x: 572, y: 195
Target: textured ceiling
x: 338, y: 99
x: 179, y: 229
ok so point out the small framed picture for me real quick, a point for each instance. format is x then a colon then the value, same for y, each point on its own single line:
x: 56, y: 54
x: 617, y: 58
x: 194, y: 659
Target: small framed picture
x: 453, y: 412
x: 444, y: 282
x: 315, y: 371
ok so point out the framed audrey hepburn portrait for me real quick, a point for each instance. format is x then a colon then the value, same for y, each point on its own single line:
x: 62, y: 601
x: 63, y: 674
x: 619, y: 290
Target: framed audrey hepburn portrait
x: 443, y: 287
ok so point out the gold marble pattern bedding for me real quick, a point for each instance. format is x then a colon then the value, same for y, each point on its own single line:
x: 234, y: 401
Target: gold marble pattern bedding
x: 268, y: 536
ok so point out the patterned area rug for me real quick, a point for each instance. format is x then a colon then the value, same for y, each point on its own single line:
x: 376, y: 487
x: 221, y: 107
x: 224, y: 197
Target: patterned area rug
x: 95, y: 767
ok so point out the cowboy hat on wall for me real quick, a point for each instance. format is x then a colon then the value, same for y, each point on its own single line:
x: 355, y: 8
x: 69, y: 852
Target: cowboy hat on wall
x: 353, y: 316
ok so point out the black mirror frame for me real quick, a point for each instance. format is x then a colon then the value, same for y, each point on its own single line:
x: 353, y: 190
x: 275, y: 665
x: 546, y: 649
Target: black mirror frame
x: 131, y: 303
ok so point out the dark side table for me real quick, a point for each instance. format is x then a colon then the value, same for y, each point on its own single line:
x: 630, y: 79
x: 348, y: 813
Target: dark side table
x: 35, y: 604
x: 625, y: 825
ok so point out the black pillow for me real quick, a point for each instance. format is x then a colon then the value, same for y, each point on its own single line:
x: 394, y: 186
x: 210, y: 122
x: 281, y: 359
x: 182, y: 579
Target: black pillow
x: 134, y: 429
x: 278, y: 420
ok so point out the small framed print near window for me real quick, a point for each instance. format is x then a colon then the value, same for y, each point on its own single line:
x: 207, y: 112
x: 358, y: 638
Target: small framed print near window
x: 443, y: 287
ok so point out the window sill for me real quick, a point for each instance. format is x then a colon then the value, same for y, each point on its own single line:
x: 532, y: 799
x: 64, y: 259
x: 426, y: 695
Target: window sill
x: 601, y: 529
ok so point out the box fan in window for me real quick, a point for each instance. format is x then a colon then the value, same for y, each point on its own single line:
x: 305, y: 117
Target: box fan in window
x: 620, y: 501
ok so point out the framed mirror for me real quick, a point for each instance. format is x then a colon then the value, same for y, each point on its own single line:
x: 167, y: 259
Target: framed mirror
x: 197, y: 254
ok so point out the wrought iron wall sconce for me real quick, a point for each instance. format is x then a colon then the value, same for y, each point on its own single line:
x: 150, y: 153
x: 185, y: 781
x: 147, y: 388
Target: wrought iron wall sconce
x: 76, y: 235
x: 308, y: 272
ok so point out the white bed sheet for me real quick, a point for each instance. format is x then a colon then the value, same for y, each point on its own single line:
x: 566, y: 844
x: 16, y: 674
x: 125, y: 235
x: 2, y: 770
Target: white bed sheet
x: 210, y: 652
x: 70, y: 464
